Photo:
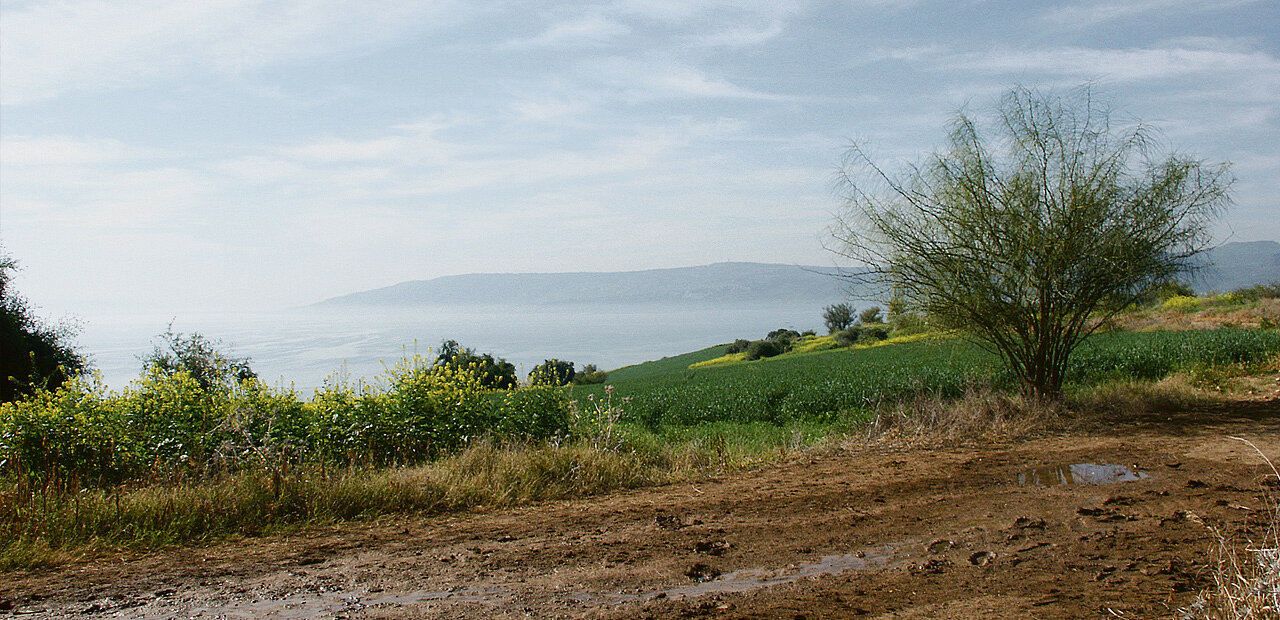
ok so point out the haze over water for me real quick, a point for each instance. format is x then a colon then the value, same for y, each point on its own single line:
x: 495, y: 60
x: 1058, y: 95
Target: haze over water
x: 303, y: 347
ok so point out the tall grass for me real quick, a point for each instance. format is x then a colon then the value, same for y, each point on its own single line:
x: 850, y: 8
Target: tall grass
x: 1245, y: 572
x: 50, y: 525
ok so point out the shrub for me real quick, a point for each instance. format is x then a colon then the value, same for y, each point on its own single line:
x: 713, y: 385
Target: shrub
x: 1161, y: 293
x: 533, y: 413
x: 764, y: 348
x: 849, y: 336
x: 33, y: 355
x: 196, y: 356
x: 1260, y: 291
x: 837, y: 317
x: 1181, y: 302
x: 493, y: 373
x: 552, y: 372
x: 590, y: 375
x: 873, y: 333
x: 870, y: 316
x: 737, y: 346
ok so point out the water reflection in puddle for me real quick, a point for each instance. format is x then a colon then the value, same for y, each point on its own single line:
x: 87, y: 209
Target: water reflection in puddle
x: 1079, y: 473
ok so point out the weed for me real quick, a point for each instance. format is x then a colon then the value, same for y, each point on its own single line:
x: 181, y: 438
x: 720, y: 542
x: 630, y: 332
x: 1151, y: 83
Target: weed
x: 1245, y: 574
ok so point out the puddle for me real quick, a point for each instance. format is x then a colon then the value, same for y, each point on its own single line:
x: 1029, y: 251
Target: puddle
x: 1080, y: 473
x: 339, y: 603
x: 756, y: 578
x: 749, y: 579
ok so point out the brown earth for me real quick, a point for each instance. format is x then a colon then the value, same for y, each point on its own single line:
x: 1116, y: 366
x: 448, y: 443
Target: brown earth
x: 876, y: 532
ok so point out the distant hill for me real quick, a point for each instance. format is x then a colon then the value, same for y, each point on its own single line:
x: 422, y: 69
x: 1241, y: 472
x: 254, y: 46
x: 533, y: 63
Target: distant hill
x: 1230, y: 266
x: 1238, y: 265
x: 733, y: 283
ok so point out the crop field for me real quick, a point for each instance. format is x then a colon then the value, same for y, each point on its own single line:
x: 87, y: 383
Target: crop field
x: 825, y: 383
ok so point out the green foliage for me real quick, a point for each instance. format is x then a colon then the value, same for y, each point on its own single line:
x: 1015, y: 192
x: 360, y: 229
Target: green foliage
x: 198, y: 358
x: 169, y: 424
x: 1260, y: 291
x: 870, y: 316
x: 737, y: 346
x: 765, y: 348
x: 784, y: 337
x: 1181, y: 302
x: 1026, y: 234
x: 849, y: 336
x: 494, y: 373
x: 837, y: 317
x: 552, y: 372
x: 590, y: 375
x: 33, y: 354
x: 825, y: 384
x: 1161, y: 292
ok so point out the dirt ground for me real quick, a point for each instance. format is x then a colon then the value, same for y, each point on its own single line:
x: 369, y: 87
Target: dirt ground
x: 995, y: 531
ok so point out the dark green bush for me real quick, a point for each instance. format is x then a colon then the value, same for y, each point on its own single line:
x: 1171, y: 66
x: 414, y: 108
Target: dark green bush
x: 764, y: 348
x: 849, y: 336
x: 590, y: 375
x: 34, y: 355
x: 552, y: 372
x: 873, y: 333
x: 494, y: 373
x: 737, y: 346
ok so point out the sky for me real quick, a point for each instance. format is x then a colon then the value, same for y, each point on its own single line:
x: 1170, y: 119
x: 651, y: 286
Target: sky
x: 253, y: 154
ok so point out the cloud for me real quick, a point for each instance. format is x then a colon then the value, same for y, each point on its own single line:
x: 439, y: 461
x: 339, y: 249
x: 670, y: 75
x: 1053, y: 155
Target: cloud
x: 1086, y: 14
x: 51, y: 49
x: 22, y: 151
x: 746, y: 36
x: 1201, y: 56
x: 1122, y: 64
x: 652, y: 78
x: 590, y: 31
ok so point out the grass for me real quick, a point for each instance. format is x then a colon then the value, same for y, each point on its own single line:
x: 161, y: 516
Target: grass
x: 1245, y: 572
x: 828, y: 384
x: 48, y: 527
x: 655, y: 423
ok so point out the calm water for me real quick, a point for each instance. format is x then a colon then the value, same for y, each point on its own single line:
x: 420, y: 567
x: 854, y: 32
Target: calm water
x: 303, y: 347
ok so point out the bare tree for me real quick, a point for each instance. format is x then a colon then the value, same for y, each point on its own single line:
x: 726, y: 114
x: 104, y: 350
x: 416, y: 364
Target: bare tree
x: 1028, y: 234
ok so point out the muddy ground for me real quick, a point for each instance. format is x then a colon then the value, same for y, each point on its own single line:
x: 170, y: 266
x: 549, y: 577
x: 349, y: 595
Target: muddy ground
x: 996, y: 531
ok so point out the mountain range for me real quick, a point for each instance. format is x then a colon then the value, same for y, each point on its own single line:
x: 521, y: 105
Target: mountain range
x: 1226, y: 267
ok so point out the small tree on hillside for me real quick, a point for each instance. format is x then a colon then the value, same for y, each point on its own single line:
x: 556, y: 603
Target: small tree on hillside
x: 870, y: 316
x: 1029, y: 236
x: 837, y: 317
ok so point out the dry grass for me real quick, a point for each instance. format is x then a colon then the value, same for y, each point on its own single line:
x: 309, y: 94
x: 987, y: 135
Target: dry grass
x: 980, y: 415
x: 1177, y: 392
x: 1245, y: 571
x: 1251, y: 314
x: 50, y: 527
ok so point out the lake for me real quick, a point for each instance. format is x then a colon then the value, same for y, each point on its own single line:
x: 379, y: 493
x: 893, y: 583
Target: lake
x: 302, y: 347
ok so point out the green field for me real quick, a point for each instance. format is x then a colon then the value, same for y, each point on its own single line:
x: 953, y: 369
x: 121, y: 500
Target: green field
x: 825, y: 383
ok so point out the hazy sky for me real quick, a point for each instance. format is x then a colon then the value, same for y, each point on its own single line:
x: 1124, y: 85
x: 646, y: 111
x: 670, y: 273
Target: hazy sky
x: 228, y: 154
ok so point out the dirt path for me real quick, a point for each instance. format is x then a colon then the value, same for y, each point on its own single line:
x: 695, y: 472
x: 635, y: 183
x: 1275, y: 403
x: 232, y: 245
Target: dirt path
x: 962, y: 533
